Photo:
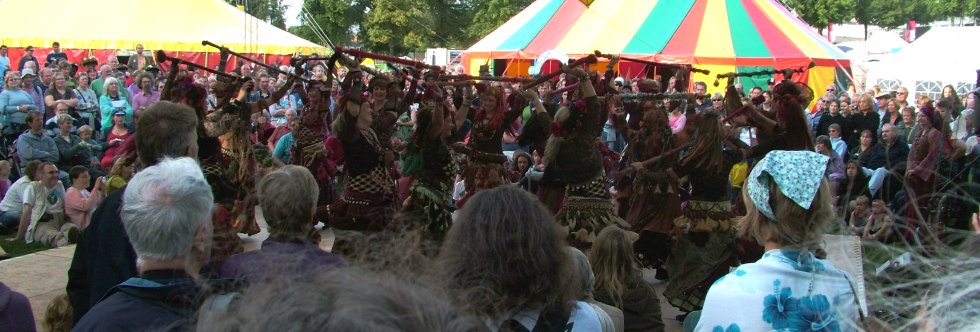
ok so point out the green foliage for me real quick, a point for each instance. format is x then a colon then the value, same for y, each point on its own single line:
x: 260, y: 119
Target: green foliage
x: 397, y: 26
x: 953, y: 8
x: 891, y: 14
x: 820, y: 13
x: 271, y: 11
x: 888, y: 14
x: 490, y: 14
x: 338, y: 19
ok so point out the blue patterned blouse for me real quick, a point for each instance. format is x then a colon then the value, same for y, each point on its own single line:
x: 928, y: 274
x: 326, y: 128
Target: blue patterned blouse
x: 783, y: 291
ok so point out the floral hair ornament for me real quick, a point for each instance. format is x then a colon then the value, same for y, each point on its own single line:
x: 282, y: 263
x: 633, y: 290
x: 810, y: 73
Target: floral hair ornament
x: 556, y: 129
x: 797, y: 173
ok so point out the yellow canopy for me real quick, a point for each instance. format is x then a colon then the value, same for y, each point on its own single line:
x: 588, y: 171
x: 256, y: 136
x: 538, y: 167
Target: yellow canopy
x: 170, y: 25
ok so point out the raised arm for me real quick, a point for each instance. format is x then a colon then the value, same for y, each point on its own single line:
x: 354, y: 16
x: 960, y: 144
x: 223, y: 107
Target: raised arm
x: 437, y: 123
x: 465, y: 107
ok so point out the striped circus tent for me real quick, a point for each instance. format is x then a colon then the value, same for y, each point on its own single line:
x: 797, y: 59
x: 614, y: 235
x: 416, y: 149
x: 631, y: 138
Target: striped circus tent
x: 717, y: 35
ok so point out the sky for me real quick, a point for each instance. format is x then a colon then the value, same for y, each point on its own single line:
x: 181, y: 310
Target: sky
x: 293, y: 12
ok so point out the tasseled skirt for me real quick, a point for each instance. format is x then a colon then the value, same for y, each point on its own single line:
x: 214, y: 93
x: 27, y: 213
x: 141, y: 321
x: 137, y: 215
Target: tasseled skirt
x: 702, y: 255
x: 586, y: 211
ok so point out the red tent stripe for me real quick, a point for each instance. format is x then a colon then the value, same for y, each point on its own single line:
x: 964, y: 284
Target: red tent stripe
x: 685, y: 39
x: 557, y: 28
x: 776, y: 41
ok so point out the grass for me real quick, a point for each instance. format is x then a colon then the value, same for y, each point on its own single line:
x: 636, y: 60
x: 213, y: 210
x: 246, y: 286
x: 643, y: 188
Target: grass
x: 19, y: 248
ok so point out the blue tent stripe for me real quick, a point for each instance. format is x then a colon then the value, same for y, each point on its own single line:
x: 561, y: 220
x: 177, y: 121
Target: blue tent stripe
x: 520, y: 39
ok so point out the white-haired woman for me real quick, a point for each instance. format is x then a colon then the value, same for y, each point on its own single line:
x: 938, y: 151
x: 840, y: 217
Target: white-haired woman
x: 113, y: 100
x: 788, y: 204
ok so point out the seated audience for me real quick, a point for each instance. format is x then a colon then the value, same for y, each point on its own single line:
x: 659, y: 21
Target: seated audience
x: 43, y: 219
x: 79, y: 202
x: 12, y: 205
x: 619, y: 281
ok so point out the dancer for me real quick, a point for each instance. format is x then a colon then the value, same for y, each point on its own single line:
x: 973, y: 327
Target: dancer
x: 366, y: 202
x: 485, y: 157
x: 571, y: 159
x: 703, y: 251
x: 654, y: 200
x: 429, y: 163
x: 309, y: 147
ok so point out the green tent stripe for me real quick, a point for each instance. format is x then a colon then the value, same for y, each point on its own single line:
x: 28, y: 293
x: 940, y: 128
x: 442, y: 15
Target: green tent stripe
x: 756, y: 81
x: 524, y: 35
x: 659, y: 27
x: 745, y: 37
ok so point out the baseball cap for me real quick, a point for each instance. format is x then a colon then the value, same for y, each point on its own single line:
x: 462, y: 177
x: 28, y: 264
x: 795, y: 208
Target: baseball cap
x: 26, y: 72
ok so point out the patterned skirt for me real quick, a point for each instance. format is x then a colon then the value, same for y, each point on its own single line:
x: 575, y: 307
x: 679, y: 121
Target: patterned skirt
x: 428, y: 209
x: 703, y: 255
x: 366, y: 203
x: 586, y: 211
x: 652, y: 208
x: 479, y: 176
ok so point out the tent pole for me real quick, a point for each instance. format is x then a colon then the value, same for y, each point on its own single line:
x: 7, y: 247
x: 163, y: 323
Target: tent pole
x: 846, y: 72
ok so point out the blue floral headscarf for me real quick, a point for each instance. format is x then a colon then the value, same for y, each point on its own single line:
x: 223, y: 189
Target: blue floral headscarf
x: 797, y: 173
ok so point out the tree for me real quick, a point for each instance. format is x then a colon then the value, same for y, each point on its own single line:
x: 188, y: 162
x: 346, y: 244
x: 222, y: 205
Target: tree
x: 339, y: 20
x: 450, y: 19
x: 491, y: 14
x: 891, y: 14
x: 821, y: 13
x: 397, y: 26
x: 862, y: 14
x: 271, y: 11
x: 942, y: 9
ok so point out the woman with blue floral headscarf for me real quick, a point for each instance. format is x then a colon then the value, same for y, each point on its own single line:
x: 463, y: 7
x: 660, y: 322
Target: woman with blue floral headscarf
x: 789, y: 205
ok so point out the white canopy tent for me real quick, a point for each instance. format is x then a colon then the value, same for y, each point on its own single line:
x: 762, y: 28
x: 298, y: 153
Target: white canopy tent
x: 944, y: 55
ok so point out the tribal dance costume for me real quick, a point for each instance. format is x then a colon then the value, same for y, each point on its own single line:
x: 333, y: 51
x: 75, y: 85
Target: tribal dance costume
x: 228, y: 218
x: 429, y: 162
x: 707, y: 251
x: 232, y: 171
x: 654, y: 200
x: 485, y: 157
x: 578, y: 165
x: 309, y: 150
x: 366, y: 202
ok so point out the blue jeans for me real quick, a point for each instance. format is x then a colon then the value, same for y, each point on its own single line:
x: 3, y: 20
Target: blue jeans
x: 9, y: 220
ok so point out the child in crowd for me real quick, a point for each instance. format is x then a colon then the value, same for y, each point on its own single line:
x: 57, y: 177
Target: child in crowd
x: 58, y: 316
x: 859, y: 216
x: 879, y: 225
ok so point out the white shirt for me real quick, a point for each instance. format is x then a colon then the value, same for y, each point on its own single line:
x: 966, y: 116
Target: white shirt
x: 14, y: 201
x: 583, y: 318
x: 55, y: 197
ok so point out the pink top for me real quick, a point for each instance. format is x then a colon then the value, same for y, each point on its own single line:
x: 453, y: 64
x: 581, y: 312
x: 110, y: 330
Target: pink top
x: 79, y: 205
x: 676, y: 125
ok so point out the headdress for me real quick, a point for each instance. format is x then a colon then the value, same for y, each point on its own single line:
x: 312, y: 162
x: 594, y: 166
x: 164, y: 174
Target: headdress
x: 797, y: 173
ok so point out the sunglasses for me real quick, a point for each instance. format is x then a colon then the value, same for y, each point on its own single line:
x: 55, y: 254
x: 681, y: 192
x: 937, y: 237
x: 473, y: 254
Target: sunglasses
x: 831, y: 90
x: 716, y: 100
